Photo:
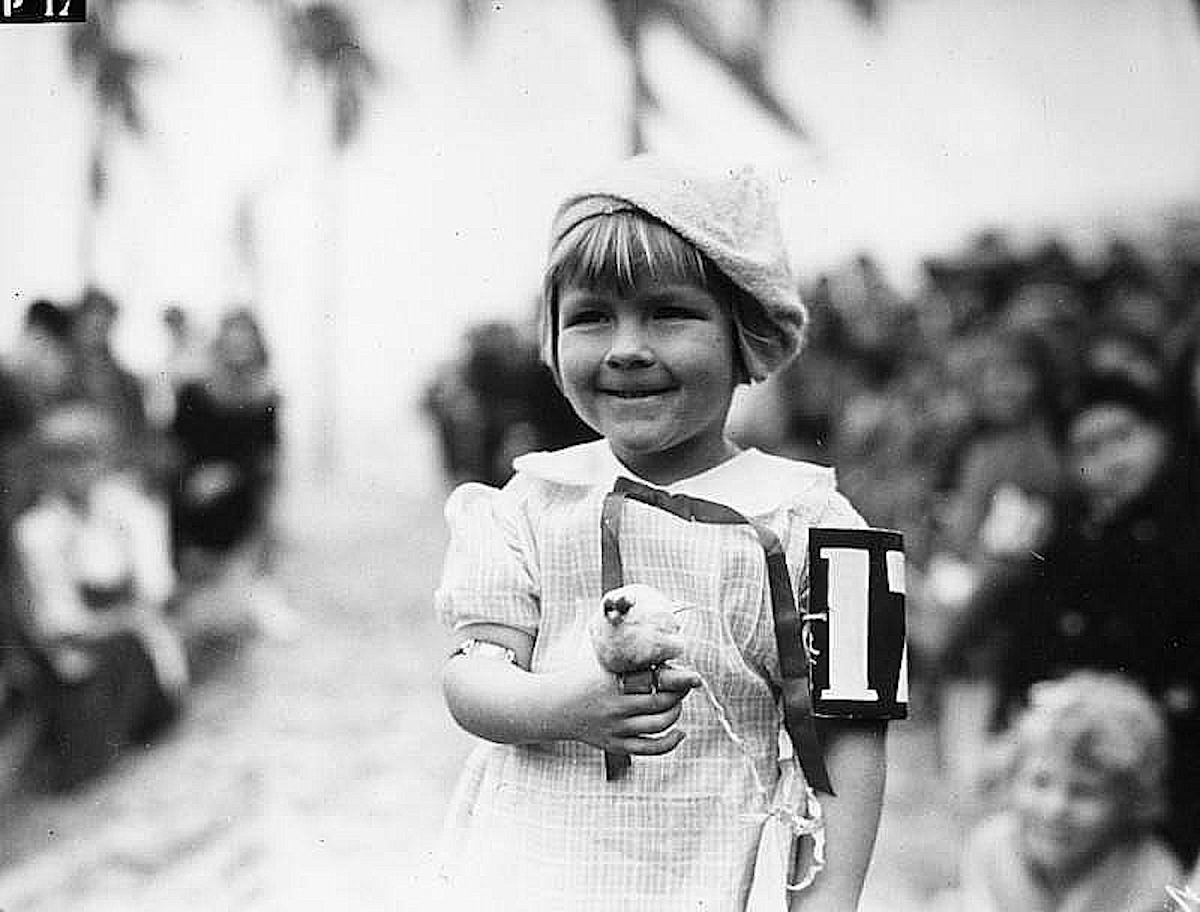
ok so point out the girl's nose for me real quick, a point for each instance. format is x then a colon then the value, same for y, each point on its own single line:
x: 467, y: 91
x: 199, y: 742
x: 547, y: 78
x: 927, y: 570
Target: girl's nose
x: 629, y: 346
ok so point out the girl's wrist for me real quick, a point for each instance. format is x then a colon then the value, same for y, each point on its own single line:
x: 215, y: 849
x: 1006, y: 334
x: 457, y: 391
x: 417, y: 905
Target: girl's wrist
x: 555, y: 709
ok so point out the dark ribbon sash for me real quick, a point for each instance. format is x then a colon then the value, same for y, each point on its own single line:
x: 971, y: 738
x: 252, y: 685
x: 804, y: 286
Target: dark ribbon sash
x: 789, y: 624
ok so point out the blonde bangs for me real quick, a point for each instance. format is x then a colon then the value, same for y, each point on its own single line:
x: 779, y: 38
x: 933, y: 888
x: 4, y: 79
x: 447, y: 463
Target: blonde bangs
x: 620, y: 250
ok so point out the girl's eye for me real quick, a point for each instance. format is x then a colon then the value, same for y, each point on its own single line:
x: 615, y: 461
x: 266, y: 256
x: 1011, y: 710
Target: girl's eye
x: 677, y: 312
x: 584, y: 317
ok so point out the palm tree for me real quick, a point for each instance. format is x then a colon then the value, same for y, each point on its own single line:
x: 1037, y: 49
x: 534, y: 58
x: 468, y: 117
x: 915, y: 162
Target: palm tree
x: 746, y: 66
x: 323, y: 37
x: 110, y: 72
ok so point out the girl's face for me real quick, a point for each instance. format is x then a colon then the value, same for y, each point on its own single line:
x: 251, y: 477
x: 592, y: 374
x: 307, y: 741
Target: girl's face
x: 652, y: 370
x: 1068, y: 816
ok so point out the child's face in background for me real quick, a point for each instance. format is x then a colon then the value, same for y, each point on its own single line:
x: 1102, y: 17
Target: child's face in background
x: 1116, y: 453
x: 652, y: 370
x: 237, y: 344
x: 1068, y: 816
x: 74, y: 471
x: 1006, y: 390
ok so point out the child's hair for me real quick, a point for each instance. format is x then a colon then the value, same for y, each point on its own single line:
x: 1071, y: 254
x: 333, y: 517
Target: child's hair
x: 1104, y: 723
x: 616, y: 251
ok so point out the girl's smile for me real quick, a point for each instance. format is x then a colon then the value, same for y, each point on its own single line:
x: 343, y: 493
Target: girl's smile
x: 652, y: 370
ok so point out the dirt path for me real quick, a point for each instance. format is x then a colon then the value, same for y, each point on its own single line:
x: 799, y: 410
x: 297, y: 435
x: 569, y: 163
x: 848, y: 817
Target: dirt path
x: 312, y: 773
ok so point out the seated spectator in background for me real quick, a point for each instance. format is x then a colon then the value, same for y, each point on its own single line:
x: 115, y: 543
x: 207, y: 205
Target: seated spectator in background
x: 226, y: 430
x: 496, y: 401
x: 1010, y: 449
x: 795, y: 412
x: 33, y: 376
x: 15, y: 420
x: 1054, y: 311
x: 41, y: 362
x: 1083, y: 789
x: 94, y: 559
x: 458, y: 417
x: 1137, y: 304
x: 98, y: 375
x: 1116, y: 584
x: 1117, y: 348
x: 186, y: 360
x: 1005, y: 480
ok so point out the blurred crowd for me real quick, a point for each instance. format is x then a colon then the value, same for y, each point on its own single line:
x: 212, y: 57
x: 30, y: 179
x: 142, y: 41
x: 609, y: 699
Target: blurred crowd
x: 137, y: 524
x: 495, y: 400
x: 1031, y: 423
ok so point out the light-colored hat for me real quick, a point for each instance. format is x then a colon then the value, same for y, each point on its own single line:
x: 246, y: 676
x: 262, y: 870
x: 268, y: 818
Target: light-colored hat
x: 728, y: 215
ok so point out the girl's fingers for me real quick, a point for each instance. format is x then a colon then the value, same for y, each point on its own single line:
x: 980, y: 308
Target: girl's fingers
x: 680, y: 680
x: 649, y: 746
x: 648, y: 704
x: 650, y: 724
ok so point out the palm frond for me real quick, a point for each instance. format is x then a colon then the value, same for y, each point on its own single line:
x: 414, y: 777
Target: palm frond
x: 746, y: 67
x: 112, y: 70
x: 870, y: 11
x: 325, y: 36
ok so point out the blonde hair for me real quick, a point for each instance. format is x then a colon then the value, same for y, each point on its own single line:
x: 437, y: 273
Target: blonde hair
x: 1104, y: 723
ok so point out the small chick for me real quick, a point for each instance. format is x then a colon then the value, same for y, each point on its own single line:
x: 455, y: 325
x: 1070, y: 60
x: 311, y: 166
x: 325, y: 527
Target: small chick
x: 636, y: 629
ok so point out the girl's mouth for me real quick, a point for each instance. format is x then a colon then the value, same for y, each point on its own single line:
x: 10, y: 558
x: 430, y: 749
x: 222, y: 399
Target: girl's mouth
x: 634, y: 394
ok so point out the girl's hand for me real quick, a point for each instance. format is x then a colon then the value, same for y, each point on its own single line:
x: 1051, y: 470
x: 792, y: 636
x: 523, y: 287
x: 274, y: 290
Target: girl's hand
x: 597, y: 712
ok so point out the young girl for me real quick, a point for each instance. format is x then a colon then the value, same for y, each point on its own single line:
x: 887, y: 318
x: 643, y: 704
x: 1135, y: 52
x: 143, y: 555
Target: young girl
x: 1085, y: 787
x: 664, y: 290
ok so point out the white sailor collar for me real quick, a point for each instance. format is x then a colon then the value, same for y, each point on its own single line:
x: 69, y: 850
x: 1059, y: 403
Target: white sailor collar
x: 752, y: 482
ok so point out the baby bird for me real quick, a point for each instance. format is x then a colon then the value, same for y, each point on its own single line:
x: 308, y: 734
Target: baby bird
x: 636, y: 629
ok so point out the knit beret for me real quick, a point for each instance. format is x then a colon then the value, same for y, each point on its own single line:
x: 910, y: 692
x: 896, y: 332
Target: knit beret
x: 728, y: 215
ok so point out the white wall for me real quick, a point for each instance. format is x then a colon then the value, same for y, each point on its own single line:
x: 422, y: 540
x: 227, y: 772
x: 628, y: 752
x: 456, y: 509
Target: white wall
x: 949, y: 115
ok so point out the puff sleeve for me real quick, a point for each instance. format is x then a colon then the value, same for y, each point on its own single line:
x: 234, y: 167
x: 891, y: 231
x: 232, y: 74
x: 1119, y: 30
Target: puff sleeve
x: 490, y: 571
